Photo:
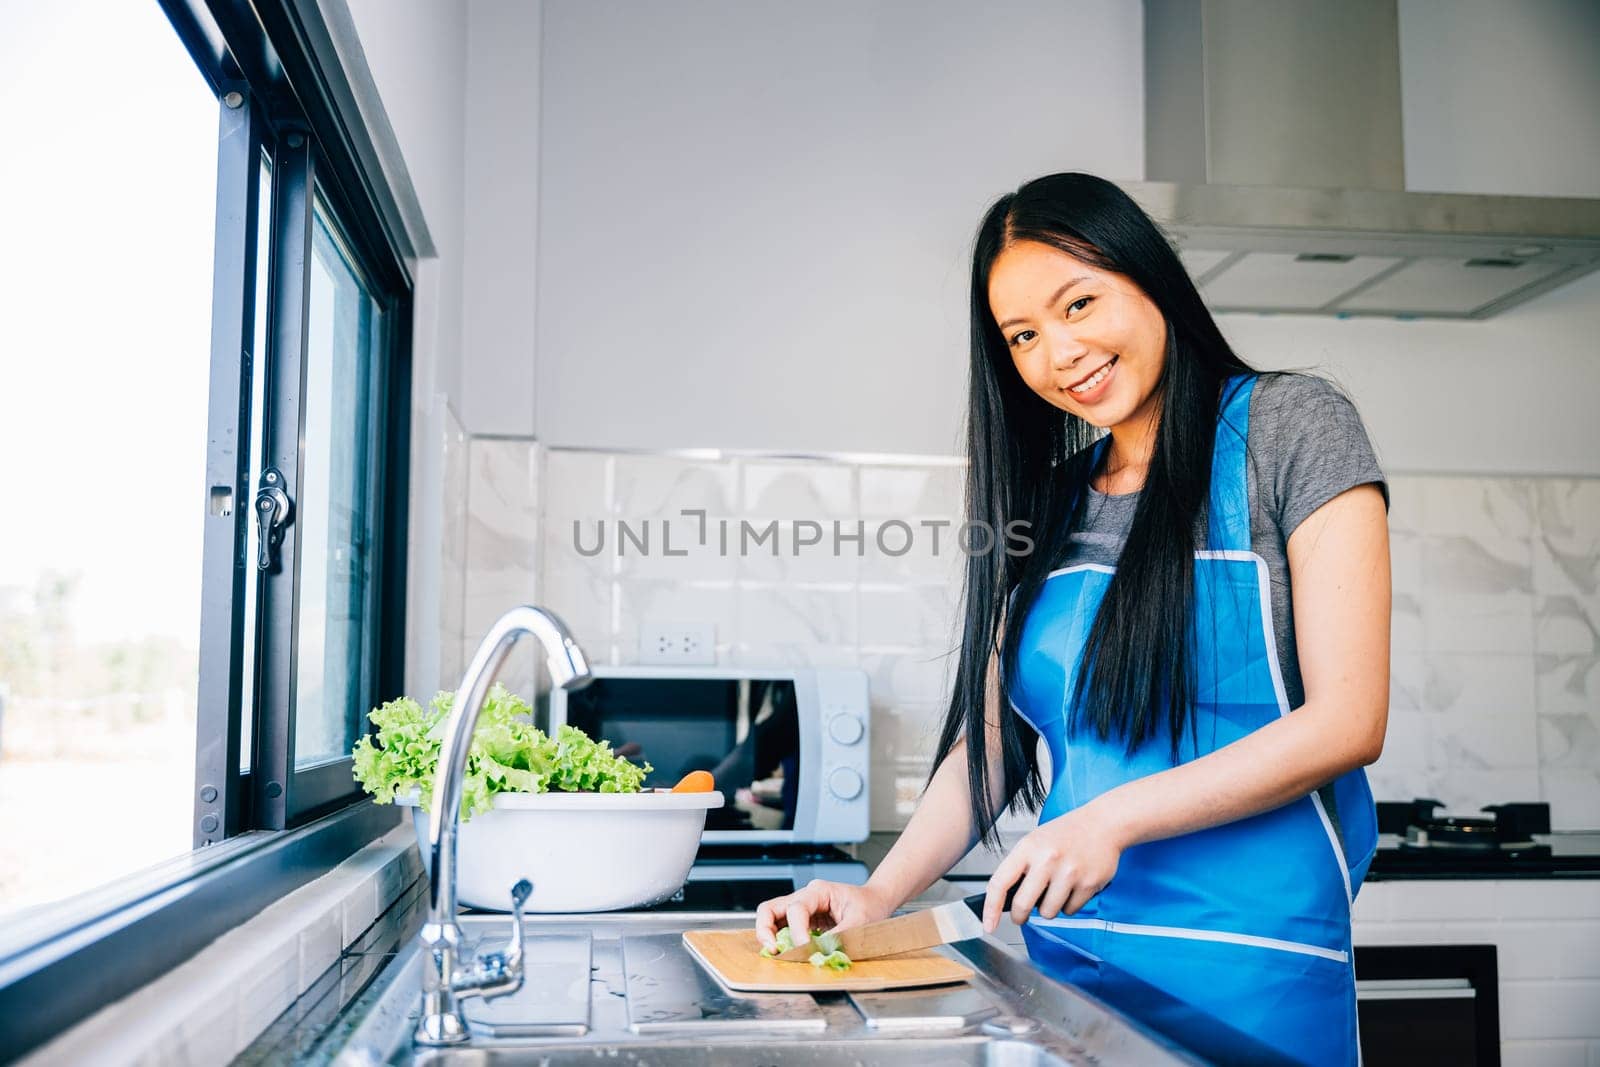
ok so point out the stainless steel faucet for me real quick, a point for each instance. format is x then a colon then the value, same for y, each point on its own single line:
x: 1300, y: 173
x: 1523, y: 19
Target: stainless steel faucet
x: 496, y: 974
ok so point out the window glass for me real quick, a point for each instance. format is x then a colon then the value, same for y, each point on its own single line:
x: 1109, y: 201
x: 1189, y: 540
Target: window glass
x: 109, y: 183
x: 333, y: 683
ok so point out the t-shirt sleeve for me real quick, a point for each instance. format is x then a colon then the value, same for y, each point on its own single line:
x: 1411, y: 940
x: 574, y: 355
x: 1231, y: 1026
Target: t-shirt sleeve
x: 1315, y: 446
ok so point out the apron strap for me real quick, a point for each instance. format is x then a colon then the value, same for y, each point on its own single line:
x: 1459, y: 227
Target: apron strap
x: 1228, y: 522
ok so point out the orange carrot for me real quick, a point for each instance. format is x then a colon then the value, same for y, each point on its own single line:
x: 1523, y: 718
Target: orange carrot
x: 695, y: 782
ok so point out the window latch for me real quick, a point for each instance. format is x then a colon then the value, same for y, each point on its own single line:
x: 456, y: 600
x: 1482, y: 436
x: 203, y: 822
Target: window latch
x: 274, y: 510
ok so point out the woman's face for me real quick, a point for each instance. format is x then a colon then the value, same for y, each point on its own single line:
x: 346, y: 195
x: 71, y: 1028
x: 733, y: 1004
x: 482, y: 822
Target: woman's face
x: 1087, y: 340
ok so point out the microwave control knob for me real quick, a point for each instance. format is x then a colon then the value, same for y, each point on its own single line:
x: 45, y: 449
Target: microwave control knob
x: 846, y: 729
x: 845, y: 783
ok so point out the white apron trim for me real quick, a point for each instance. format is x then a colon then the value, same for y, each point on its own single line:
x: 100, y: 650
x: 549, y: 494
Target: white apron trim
x: 1263, y: 583
x: 1186, y: 934
x: 1101, y: 567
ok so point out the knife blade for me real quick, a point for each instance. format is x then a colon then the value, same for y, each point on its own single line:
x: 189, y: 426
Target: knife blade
x: 940, y: 925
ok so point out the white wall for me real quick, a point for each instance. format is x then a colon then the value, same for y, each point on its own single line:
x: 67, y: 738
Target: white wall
x: 500, y: 215
x: 755, y: 220
x: 1501, y: 98
x: 416, y: 51
x: 755, y: 216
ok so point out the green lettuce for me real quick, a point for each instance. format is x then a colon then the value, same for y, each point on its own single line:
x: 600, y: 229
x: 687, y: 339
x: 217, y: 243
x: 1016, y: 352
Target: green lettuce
x: 507, y: 755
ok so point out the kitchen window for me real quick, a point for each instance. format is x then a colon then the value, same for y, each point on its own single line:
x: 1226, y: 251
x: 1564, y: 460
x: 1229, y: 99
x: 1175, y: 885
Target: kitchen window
x: 204, y: 430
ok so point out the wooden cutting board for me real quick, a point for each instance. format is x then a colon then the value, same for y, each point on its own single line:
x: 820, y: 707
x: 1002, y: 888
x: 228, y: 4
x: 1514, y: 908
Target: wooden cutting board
x: 734, y: 958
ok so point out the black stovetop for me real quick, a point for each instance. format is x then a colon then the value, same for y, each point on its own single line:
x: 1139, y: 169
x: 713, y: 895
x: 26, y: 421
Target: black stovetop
x: 1557, y: 855
x: 1418, y: 840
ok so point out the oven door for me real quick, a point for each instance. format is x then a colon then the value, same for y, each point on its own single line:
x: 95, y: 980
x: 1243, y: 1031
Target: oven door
x: 1428, y: 1004
x: 746, y: 730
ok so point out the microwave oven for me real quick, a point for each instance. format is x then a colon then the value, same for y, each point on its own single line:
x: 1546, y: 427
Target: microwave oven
x: 789, y: 747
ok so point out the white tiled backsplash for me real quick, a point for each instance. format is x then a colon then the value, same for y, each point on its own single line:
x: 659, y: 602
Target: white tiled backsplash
x: 1496, y: 629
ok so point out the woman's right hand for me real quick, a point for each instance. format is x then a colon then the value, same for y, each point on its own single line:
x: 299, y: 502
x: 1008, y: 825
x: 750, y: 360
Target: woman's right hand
x: 821, y: 905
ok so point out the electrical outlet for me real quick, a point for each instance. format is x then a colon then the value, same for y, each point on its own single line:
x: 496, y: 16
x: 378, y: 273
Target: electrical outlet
x: 682, y: 643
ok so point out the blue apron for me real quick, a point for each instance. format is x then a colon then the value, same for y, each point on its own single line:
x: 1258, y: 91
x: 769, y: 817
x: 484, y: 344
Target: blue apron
x: 1233, y: 941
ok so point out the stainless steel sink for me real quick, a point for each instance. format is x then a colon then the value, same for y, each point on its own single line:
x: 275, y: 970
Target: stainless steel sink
x: 621, y: 990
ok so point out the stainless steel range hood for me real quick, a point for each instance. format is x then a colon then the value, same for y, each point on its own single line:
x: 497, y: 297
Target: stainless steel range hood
x: 1274, y: 157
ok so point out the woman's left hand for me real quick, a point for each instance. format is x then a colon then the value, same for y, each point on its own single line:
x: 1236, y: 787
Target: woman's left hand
x: 1059, y: 867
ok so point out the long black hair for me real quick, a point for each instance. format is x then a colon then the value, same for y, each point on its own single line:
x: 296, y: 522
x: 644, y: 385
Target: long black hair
x: 1029, y: 460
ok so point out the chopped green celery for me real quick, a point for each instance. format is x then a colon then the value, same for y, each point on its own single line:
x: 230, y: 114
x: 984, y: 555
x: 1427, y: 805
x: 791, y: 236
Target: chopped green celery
x: 834, y: 961
x: 829, y: 956
x: 785, y: 941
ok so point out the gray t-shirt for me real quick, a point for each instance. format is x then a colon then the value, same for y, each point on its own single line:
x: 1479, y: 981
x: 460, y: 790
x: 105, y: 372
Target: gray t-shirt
x: 1306, y: 446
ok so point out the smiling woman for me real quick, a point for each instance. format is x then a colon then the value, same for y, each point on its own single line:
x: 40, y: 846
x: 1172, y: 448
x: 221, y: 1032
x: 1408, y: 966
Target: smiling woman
x: 1200, y: 638
x: 1189, y: 808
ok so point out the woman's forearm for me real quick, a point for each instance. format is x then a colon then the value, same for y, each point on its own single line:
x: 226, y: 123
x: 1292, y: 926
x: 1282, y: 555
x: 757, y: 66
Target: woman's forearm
x: 941, y: 830
x: 1266, y: 769
x: 1067, y: 860
x: 940, y: 833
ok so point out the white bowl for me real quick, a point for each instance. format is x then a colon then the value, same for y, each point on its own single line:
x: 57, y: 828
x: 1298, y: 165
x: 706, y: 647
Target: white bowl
x: 581, y: 851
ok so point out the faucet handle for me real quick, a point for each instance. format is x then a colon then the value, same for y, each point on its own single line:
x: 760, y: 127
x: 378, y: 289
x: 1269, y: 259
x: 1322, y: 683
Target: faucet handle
x: 519, y: 896
x: 498, y: 973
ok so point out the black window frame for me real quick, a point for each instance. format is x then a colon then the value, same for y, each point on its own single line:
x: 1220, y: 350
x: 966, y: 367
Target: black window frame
x: 283, y: 95
x: 264, y: 117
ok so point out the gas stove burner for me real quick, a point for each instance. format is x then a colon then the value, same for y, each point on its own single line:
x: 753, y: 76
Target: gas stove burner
x: 1457, y: 831
x: 1507, y: 829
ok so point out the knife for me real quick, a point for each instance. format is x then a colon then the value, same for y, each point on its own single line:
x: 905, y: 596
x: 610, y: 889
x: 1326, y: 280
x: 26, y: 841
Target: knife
x: 955, y: 921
